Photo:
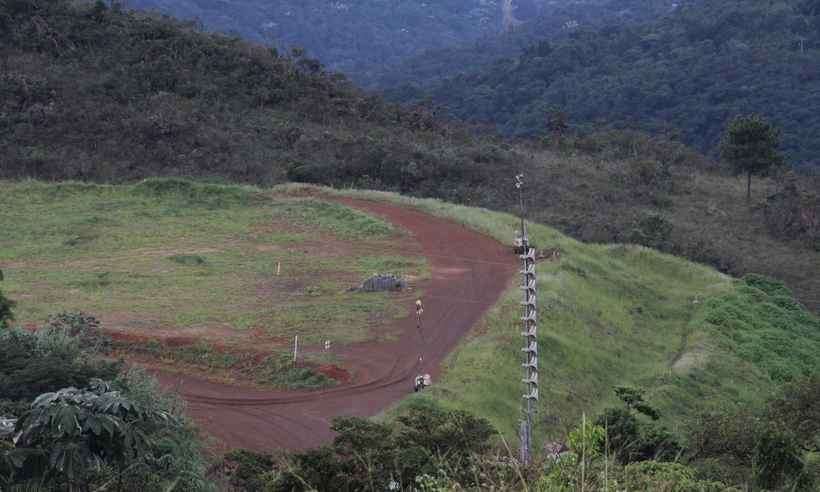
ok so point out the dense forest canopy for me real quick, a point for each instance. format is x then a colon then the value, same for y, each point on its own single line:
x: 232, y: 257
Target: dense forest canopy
x: 354, y: 37
x: 556, y: 20
x: 374, y: 42
x: 689, y: 71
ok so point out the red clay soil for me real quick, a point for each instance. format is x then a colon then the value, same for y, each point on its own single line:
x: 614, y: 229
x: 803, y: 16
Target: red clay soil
x: 469, y: 273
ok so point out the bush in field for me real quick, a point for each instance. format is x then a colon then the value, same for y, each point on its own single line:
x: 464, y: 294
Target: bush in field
x: 84, y: 327
x: 798, y: 409
x: 793, y: 211
x: 632, y: 433
x: 32, y: 364
x: 6, y: 305
x: 653, y: 230
x: 75, y: 438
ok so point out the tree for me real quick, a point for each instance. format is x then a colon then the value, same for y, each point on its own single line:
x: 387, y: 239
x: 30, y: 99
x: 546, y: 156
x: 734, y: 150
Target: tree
x: 6, y: 306
x: 750, y: 145
x: 73, y: 433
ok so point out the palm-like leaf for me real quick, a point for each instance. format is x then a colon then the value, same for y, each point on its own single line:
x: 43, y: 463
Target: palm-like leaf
x: 83, y: 428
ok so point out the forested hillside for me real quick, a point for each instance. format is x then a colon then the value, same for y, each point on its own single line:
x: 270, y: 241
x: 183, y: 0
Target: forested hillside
x: 379, y: 43
x: 688, y: 72
x: 556, y: 20
x: 354, y: 37
x: 88, y: 92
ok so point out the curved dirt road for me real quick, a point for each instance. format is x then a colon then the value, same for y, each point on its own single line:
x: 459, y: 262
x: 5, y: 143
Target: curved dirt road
x: 469, y: 273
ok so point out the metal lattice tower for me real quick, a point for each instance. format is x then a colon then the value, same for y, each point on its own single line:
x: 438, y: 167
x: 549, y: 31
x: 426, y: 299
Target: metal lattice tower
x: 530, y: 333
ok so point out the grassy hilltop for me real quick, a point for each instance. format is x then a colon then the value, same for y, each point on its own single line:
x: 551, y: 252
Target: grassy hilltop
x: 626, y: 314
x: 211, y: 277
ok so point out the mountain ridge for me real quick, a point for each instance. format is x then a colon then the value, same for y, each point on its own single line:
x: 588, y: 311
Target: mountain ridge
x: 689, y: 71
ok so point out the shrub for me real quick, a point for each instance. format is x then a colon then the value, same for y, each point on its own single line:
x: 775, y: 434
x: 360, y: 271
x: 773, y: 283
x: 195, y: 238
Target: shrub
x: 6, y: 306
x: 83, y: 327
x: 188, y: 260
x: 653, y: 230
x: 777, y: 459
x: 673, y: 477
x: 247, y: 469
x: 31, y: 364
x: 365, y: 455
x: 631, y: 438
x: 793, y: 212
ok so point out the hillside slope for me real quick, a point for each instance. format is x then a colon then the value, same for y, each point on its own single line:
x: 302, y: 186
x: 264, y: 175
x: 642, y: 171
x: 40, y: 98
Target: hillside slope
x: 355, y: 38
x: 95, y: 94
x: 377, y: 43
x: 554, y: 21
x: 689, y: 71
x: 696, y: 340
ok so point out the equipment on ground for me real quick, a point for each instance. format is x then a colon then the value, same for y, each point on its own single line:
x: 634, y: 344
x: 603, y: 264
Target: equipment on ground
x: 421, y: 381
x: 382, y: 283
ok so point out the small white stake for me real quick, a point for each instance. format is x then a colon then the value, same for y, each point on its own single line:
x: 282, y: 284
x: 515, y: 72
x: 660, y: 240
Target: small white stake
x: 295, y: 348
x: 278, y: 267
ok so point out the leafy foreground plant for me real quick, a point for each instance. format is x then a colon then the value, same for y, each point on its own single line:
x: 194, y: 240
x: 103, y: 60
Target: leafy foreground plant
x: 82, y: 433
x: 75, y: 438
x: 70, y: 433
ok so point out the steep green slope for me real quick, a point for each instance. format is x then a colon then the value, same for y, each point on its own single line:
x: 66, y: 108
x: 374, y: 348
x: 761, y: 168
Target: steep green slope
x: 611, y: 315
x: 690, y: 71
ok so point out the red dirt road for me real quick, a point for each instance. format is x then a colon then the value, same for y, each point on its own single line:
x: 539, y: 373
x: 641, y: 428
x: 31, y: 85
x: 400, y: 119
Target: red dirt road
x: 469, y: 273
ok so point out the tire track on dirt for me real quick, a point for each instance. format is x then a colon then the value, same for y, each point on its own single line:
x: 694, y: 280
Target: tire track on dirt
x: 469, y: 272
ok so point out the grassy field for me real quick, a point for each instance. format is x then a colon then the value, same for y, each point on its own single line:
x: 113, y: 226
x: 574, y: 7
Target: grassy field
x: 138, y: 256
x: 175, y: 258
x: 618, y: 314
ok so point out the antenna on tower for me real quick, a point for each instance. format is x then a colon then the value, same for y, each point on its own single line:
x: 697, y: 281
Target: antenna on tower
x: 530, y: 330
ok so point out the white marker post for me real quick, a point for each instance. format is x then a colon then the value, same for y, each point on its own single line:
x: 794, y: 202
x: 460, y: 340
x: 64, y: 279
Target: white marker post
x: 278, y: 267
x: 295, y: 348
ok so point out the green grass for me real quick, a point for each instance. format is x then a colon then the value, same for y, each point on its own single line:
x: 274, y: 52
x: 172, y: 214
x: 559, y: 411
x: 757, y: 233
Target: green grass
x: 343, y: 222
x: 177, y: 253
x: 622, y: 314
x: 275, y: 370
